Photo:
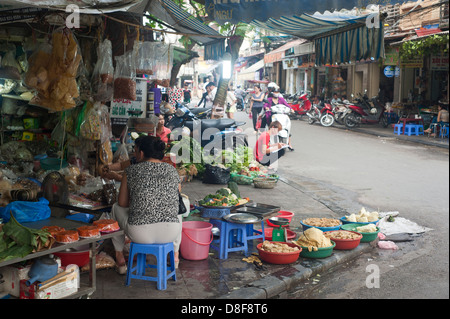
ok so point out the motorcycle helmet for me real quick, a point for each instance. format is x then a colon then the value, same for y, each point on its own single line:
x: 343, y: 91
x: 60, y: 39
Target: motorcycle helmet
x: 373, y: 110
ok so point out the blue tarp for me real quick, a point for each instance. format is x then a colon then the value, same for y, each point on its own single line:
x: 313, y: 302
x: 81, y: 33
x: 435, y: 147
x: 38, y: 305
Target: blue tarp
x: 236, y: 11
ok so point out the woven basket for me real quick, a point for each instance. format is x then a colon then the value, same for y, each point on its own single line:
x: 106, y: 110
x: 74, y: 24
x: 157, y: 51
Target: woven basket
x: 241, y: 179
x: 265, y: 182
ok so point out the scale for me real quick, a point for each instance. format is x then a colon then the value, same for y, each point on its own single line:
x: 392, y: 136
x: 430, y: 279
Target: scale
x: 279, y: 234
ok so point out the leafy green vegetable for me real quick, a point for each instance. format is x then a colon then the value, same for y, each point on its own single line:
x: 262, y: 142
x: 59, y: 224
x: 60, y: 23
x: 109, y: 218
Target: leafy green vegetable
x: 17, y: 241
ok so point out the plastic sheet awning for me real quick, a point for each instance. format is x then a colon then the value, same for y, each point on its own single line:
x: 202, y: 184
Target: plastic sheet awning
x: 339, y: 36
x: 235, y: 11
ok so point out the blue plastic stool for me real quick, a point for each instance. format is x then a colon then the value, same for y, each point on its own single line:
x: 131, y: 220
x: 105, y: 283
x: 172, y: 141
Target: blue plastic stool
x: 233, y: 237
x: 160, y: 251
x: 398, y: 128
x: 444, y: 131
x: 253, y: 233
x: 419, y: 129
x: 410, y: 129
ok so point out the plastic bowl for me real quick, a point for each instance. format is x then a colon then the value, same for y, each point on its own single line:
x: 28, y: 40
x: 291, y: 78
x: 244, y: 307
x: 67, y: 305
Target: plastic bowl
x: 345, y: 244
x: 324, y: 229
x: 345, y: 221
x: 279, y: 258
x: 268, y: 233
x: 282, y: 214
x: 320, y: 253
x: 366, y: 237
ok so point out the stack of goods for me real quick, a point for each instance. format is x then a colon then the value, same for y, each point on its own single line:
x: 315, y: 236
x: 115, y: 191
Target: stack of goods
x: 67, y: 236
x: 88, y: 231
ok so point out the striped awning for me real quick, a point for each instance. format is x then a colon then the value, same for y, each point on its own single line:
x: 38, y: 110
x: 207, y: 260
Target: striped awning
x: 338, y: 37
x: 183, y: 22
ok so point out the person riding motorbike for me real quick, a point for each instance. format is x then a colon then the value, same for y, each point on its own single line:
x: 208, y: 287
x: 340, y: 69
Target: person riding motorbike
x: 239, y: 93
x: 275, y: 99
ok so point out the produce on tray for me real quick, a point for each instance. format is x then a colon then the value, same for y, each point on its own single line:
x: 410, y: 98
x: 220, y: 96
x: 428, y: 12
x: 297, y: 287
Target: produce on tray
x: 17, y: 241
x: 275, y: 247
x: 53, y: 230
x: 223, y: 197
x: 363, y: 217
x: 313, y: 238
x: 321, y: 222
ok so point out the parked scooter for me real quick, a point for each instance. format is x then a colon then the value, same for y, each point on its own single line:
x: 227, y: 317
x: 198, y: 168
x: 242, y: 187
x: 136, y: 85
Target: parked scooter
x: 366, y: 112
x: 315, y: 114
x: 327, y: 115
x: 340, y: 110
x: 226, y: 131
x: 302, y: 107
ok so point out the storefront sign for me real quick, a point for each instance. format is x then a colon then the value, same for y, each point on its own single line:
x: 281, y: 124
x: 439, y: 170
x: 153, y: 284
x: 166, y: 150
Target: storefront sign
x: 391, y: 56
x: 124, y: 109
x: 391, y: 71
x: 410, y: 64
x: 290, y: 63
x: 439, y: 63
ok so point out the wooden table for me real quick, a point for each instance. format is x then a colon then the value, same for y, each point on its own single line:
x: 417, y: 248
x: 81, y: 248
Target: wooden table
x: 85, y: 290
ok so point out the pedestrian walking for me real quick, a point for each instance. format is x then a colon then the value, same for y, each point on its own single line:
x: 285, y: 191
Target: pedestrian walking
x: 256, y: 105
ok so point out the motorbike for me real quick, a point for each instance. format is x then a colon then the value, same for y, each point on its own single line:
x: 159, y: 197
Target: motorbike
x: 340, y: 110
x: 281, y: 113
x: 302, y: 107
x: 366, y: 111
x: 316, y: 113
x: 209, y: 131
x: 240, y: 104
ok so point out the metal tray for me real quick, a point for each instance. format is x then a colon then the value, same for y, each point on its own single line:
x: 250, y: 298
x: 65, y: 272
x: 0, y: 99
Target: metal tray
x: 254, y: 211
x: 263, y: 206
x: 242, y: 218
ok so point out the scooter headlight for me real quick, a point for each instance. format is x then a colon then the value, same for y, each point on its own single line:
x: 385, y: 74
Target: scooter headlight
x: 180, y: 112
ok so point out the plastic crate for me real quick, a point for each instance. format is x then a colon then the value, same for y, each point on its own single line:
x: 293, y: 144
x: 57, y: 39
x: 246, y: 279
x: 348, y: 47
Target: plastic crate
x: 215, y: 212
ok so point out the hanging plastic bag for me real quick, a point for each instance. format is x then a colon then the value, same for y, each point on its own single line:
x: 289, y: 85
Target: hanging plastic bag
x: 90, y: 128
x: 103, y: 74
x: 10, y: 68
x: 144, y: 57
x: 53, y: 70
x: 163, y: 63
x: 124, y: 77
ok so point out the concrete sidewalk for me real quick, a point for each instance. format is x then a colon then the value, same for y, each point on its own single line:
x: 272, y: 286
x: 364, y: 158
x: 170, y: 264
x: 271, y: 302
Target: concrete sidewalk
x: 234, y: 278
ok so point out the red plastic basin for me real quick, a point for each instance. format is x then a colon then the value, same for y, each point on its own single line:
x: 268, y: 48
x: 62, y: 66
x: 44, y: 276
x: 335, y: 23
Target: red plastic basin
x: 79, y: 258
x: 282, y: 214
x: 279, y: 258
x: 345, y: 244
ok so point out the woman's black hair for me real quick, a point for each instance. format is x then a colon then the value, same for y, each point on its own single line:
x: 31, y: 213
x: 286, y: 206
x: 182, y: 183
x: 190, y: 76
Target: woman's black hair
x: 152, y: 146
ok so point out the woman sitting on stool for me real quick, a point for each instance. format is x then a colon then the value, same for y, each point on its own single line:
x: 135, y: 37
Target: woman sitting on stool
x: 148, y: 203
x: 441, y: 119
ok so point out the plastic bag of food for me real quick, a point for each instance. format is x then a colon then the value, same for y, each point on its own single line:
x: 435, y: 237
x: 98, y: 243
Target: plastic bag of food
x: 124, y: 77
x: 103, y: 74
x: 121, y: 154
x: 10, y: 68
x: 105, y: 123
x: 90, y: 128
x: 145, y: 57
x: 53, y: 70
x: 163, y: 54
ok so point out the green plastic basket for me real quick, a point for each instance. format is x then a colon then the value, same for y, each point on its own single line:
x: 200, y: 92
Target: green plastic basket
x: 241, y: 179
x: 323, y: 252
x: 366, y: 237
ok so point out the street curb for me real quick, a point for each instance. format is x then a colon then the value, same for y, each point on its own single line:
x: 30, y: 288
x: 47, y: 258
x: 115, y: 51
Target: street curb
x: 272, y: 286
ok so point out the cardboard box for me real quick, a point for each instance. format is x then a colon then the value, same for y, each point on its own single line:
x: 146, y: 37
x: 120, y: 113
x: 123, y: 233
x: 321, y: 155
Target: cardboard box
x: 12, y: 275
x: 62, y: 285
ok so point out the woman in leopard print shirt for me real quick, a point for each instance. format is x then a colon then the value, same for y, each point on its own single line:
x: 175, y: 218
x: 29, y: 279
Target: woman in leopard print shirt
x: 147, y: 208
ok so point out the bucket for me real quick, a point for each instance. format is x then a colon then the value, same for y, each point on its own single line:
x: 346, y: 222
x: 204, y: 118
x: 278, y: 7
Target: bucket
x: 195, y: 240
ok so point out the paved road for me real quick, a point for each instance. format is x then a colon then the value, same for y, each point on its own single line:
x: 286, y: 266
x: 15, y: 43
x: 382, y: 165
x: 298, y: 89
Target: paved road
x: 349, y: 170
